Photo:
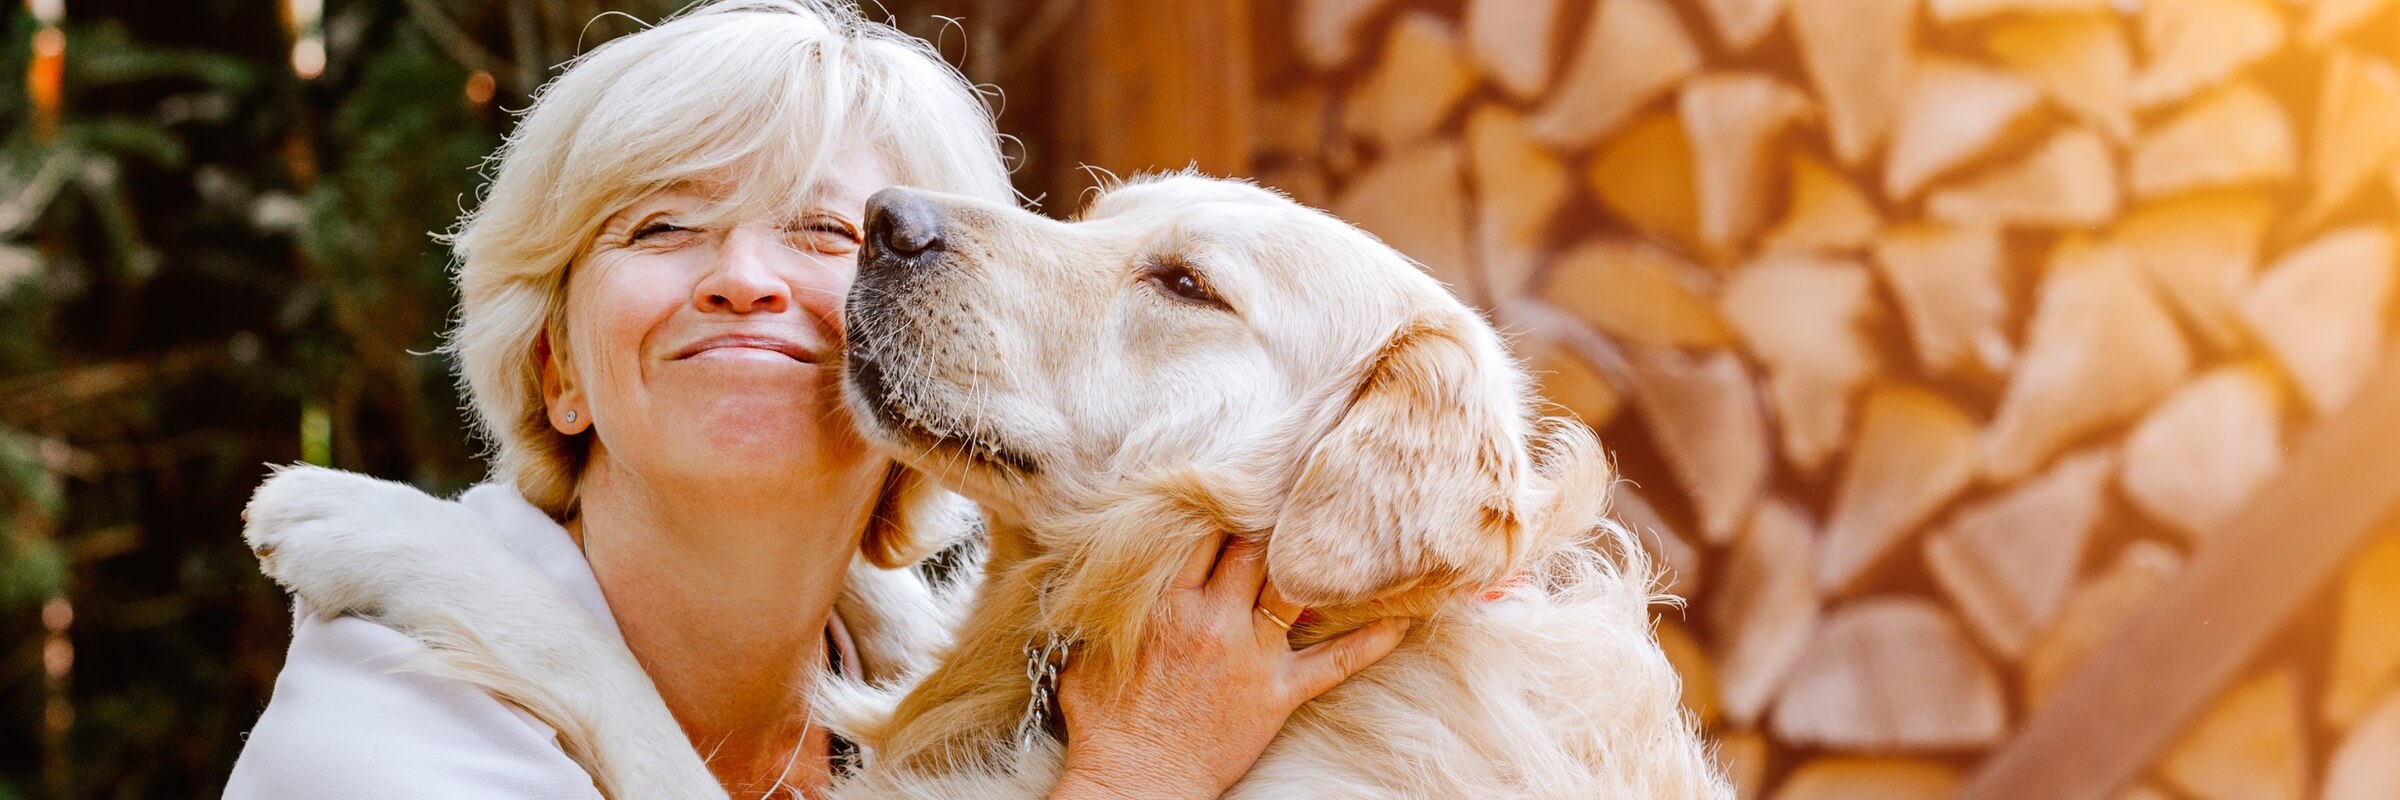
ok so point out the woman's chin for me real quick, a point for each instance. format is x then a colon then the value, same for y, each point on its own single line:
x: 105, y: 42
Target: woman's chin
x: 769, y: 458
x: 763, y: 430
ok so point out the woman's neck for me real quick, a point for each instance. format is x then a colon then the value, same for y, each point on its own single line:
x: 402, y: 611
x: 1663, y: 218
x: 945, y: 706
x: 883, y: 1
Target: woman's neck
x: 722, y: 590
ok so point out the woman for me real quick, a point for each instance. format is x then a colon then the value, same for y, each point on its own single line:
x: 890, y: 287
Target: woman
x: 651, y: 316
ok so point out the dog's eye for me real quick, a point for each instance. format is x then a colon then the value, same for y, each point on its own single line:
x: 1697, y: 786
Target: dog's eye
x: 1180, y: 282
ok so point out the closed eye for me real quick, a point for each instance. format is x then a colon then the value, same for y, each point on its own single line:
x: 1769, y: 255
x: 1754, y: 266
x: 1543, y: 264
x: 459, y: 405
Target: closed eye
x: 655, y: 228
x: 830, y: 235
x: 1183, y: 284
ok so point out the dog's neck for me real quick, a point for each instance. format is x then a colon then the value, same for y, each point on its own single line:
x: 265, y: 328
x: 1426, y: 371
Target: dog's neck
x: 1094, y: 577
x: 965, y: 714
x: 1091, y: 575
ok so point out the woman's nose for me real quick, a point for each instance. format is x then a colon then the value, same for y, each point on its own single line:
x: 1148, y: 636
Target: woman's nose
x: 745, y: 279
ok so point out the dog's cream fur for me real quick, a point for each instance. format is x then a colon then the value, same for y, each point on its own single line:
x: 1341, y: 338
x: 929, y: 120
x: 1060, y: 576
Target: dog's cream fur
x: 1333, y: 400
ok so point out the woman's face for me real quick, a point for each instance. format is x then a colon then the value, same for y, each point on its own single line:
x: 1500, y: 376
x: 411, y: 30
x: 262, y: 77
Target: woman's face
x: 710, y: 350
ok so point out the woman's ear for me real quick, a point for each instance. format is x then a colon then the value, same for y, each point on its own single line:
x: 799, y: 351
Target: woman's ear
x: 1418, y: 485
x: 562, y: 395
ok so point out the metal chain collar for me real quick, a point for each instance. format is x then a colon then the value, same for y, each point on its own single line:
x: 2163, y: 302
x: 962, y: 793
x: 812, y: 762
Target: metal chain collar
x: 1043, y: 658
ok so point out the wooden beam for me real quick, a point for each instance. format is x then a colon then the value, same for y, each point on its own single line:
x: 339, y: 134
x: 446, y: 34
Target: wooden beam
x: 1150, y: 85
x: 2115, y: 713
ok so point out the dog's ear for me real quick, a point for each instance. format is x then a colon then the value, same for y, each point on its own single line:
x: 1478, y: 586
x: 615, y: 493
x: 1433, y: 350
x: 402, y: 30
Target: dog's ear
x: 914, y: 517
x: 1420, y: 482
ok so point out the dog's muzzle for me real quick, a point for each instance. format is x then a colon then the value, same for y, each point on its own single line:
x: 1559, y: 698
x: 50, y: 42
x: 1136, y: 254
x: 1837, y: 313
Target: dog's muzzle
x: 905, y: 244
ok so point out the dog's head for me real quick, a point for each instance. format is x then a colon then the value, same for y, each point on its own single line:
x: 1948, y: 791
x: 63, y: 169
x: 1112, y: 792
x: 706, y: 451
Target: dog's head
x: 1323, y: 389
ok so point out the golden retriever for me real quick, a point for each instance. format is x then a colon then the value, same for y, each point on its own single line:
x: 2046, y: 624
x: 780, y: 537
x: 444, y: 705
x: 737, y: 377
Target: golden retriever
x: 1191, y: 356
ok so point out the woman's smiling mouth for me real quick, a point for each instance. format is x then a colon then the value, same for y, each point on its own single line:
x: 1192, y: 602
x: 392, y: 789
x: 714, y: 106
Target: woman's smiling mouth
x: 747, y: 346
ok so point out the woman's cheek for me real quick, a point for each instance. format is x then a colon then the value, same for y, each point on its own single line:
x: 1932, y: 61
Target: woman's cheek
x: 626, y: 306
x: 824, y: 291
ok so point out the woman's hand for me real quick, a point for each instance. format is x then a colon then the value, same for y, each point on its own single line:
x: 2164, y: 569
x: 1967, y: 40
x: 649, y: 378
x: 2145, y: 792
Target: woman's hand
x: 1213, y: 683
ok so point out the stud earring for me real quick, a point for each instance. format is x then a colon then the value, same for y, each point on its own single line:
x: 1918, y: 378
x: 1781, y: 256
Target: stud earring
x: 570, y: 416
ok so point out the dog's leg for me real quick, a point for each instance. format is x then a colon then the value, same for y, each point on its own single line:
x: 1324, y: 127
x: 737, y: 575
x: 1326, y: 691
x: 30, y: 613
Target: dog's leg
x: 431, y: 568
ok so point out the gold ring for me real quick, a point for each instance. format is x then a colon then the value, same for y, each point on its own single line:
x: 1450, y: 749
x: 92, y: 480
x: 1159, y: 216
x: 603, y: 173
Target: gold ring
x: 1286, y: 626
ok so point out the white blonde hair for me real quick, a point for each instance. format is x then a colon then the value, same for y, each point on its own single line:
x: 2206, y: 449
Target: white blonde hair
x: 757, y: 94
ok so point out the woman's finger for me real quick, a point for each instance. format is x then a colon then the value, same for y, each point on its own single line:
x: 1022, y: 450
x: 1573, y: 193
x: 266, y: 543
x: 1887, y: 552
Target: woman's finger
x: 1196, y: 566
x: 1317, y: 668
x: 1241, y: 570
x: 1287, y: 613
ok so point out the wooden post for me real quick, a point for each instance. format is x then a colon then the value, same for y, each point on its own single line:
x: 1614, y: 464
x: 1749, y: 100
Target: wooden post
x: 1155, y: 85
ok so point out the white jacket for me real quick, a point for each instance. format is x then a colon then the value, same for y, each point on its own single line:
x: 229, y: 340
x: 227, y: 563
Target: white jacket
x: 347, y: 720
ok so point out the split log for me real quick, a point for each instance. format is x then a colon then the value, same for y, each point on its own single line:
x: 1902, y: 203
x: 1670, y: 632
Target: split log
x: 1704, y: 415
x: 1343, y: 155
x: 2099, y: 351
x: 1947, y: 281
x: 1951, y: 12
x: 1801, y: 317
x: 1633, y: 51
x: 2143, y: 791
x: 1741, y: 23
x: 2249, y: 746
x: 1563, y: 376
x: 2199, y: 250
x: 1635, y: 291
x: 1861, y: 54
x: 1422, y: 76
x: 1891, y: 674
x: 2080, y: 60
x: 1646, y: 175
x: 2094, y: 612
x: 2008, y: 561
x: 1415, y: 201
x: 2363, y: 767
x: 2319, y: 309
x: 2392, y: 182
x: 1955, y: 110
x: 1691, y: 664
x: 1292, y: 122
x: 1854, y: 778
x: 2238, y: 136
x: 1742, y: 755
x: 1731, y: 119
x: 1765, y: 610
x: 1685, y: 573
x: 1519, y: 187
x: 2194, y: 461
x: 1329, y: 29
x: 1303, y: 182
x: 2069, y: 182
x: 2357, y: 132
x: 2330, y: 19
x: 2366, y: 644
x: 1914, y: 451
x: 2194, y: 44
x: 1510, y: 40
x: 2112, y: 716
x: 1822, y: 212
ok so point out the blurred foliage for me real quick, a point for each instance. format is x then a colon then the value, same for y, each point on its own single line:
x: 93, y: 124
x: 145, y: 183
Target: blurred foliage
x: 205, y: 246
x: 208, y: 264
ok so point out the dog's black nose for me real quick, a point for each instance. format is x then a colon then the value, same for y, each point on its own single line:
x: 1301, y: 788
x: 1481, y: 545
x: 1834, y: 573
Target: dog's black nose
x: 903, y: 223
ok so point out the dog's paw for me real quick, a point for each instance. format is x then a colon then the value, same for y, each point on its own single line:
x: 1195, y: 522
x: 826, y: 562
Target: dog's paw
x: 344, y: 541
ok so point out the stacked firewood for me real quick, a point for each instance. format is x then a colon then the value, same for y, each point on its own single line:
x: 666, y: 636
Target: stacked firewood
x: 1933, y: 337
